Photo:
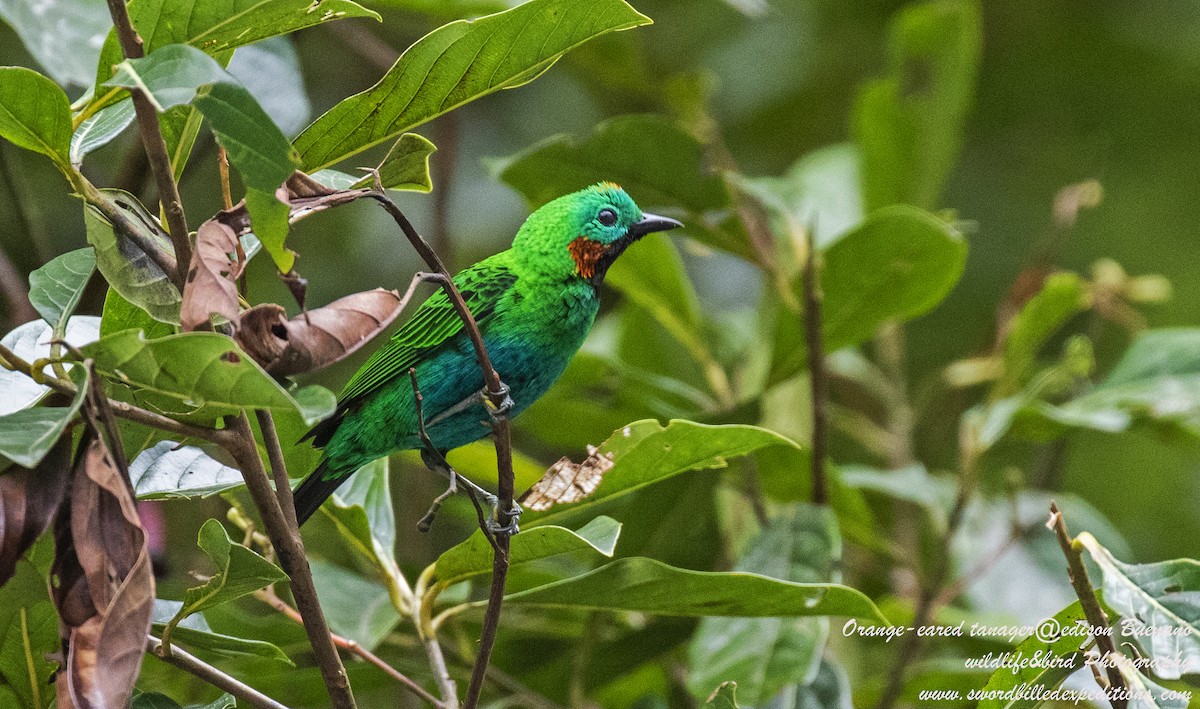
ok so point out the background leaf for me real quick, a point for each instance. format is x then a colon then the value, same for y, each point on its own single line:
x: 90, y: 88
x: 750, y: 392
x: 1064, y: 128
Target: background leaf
x: 170, y: 470
x: 31, y: 342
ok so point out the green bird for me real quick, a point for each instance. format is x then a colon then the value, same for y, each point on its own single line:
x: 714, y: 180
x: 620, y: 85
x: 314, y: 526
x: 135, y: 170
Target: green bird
x: 534, y: 304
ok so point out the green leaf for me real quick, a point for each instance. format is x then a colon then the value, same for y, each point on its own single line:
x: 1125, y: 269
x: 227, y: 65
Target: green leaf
x: 170, y: 470
x: 29, y: 630
x: 723, y: 697
x: 909, y: 125
x: 127, y: 268
x: 765, y: 655
x: 240, y: 572
x: 819, y: 192
x: 1062, y: 296
x: 178, y: 74
x: 26, y: 436
x: 1157, y: 380
x: 31, y: 342
x: 217, y: 28
x: 119, y: 314
x: 195, y: 633
x: 657, y: 162
x: 457, y: 63
x: 35, y: 114
x: 1159, y: 603
x: 645, y: 585
x: 314, y: 402
x: 361, y: 510
x: 645, y: 452
x: 64, y: 36
x: 406, y: 165
x: 473, y: 557
x: 356, y: 607
x: 829, y: 690
x: 55, y: 289
x: 896, y: 265
x: 1147, y: 694
x: 99, y: 129
x: 1062, y: 654
x: 197, y: 375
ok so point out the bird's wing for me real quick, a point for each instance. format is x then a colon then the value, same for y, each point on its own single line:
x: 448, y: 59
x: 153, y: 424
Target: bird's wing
x: 435, y: 322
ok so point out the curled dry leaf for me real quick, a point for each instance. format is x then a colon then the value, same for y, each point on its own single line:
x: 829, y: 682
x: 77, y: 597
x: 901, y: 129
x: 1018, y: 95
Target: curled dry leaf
x: 318, y: 337
x: 211, y: 286
x: 29, y: 501
x: 568, y: 481
x: 102, y: 584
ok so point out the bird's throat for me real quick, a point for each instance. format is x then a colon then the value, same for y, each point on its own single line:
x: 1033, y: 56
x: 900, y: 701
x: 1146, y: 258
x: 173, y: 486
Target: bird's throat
x: 588, y: 255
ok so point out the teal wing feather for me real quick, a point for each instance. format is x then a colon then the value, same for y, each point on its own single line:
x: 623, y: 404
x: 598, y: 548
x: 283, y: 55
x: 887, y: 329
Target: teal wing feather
x: 434, y: 324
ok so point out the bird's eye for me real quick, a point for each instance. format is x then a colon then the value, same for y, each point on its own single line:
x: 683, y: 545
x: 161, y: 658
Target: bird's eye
x: 607, y: 217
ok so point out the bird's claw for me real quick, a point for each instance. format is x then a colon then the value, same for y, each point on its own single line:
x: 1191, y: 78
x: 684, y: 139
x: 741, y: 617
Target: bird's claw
x: 501, y: 410
x: 514, y: 516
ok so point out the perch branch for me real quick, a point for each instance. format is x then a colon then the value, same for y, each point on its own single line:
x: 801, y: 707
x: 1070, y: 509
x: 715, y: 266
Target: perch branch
x: 816, y: 370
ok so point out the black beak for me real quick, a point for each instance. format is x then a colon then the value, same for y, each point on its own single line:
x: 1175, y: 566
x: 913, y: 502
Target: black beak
x: 651, y: 223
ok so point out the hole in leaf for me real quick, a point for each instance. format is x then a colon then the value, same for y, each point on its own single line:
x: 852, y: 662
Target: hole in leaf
x: 279, y: 331
x: 231, y: 357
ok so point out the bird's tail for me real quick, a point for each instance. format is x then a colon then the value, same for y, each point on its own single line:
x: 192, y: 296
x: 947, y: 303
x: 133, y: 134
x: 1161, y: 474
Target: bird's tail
x: 319, y: 485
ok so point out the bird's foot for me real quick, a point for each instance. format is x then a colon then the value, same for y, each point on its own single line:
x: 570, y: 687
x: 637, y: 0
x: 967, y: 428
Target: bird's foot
x: 497, y: 411
x: 514, y: 516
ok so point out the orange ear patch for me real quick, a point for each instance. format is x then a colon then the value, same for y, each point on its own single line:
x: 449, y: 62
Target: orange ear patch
x: 586, y: 254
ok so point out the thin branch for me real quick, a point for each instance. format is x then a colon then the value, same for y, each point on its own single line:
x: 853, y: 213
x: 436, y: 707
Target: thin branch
x: 125, y: 226
x: 156, y: 147
x: 285, y: 537
x: 497, y: 394
x: 1096, y: 617
x: 816, y: 369
x: 190, y: 663
x: 269, y: 597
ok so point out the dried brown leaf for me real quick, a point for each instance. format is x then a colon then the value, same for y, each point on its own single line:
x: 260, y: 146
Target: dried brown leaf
x: 316, y: 338
x: 103, y: 585
x: 568, y: 481
x: 211, y: 287
x: 29, y: 501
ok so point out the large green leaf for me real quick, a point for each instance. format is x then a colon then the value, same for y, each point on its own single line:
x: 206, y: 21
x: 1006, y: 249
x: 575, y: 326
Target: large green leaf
x: 648, y: 586
x: 909, y: 125
x: 178, y: 74
x: 240, y: 572
x: 198, y: 374
x: 31, y: 342
x: 171, y: 470
x: 35, y: 114
x: 29, y: 630
x: 897, y: 264
x: 125, y: 266
x: 645, y: 452
x: 64, y: 36
x: 1159, y: 605
x: 55, y: 289
x: 356, y: 607
x: 27, y: 435
x: 216, y: 28
x: 195, y: 633
x: 473, y: 557
x: 1157, y: 380
x: 765, y: 655
x: 119, y: 314
x: 457, y: 63
x: 1062, y: 654
x: 362, y: 511
x: 99, y: 129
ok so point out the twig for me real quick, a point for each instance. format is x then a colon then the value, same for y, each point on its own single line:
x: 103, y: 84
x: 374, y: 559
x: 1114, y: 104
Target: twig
x: 285, y: 537
x: 223, y: 172
x: 816, y: 369
x: 497, y: 393
x: 190, y: 663
x: 156, y: 147
x: 1096, y: 617
x: 279, y: 474
x: 269, y: 597
x: 932, y: 587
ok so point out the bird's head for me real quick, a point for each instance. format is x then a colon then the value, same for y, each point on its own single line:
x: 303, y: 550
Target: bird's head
x: 581, y: 234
